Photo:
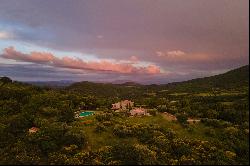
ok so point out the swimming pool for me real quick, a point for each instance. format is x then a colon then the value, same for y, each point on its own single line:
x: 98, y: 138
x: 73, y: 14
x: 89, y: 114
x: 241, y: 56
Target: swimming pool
x: 86, y: 113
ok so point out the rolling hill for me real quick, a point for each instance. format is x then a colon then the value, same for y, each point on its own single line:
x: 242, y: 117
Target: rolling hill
x: 234, y: 79
x: 237, y: 78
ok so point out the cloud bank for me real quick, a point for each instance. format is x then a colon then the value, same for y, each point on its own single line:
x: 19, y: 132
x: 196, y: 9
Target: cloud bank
x: 71, y: 63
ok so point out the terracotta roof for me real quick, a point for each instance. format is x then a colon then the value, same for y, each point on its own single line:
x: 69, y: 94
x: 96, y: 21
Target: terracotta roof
x: 33, y: 129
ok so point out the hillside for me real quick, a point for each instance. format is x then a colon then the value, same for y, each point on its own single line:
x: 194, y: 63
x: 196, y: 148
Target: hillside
x: 234, y: 79
x: 106, y: 89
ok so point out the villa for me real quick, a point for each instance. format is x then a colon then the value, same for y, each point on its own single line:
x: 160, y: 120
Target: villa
x: 125, y: 104
x: 138, y: 112
x: 33, y: 130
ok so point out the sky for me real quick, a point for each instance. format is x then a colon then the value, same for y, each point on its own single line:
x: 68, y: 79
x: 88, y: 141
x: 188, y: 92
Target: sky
x: 145, y: 41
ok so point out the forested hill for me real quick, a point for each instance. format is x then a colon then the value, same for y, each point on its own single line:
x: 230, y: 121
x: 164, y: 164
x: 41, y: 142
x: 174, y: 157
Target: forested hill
x: 237, y: 78
x: 234, y: 79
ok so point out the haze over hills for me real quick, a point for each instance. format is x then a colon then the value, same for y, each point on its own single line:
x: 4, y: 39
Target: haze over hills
x: 61, y: 83
x: 123, y: 82
x: 237, y: 78
x: 233, y: 78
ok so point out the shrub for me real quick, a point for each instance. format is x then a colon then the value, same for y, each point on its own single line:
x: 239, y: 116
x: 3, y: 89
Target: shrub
x: 182, y: 118
x: 215, y: 123
x: 162, y: 108
x: 122, y: 131
x: 152, y: 112
x: 107, y: 123
x: 100, y: 127
x: 190, y: 129
x: 134, y: 154
x: 104, y: 117
x: 87, y: 122
x: 75, y: 136
x: 210, y: 132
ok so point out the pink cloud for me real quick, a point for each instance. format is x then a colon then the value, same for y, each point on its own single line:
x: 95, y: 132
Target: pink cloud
x: 152, y: 69
x: 71, y: 63
x: 179, y: 56
x: 175, y: 53
x: 37, y: 57
x: 170, y: 54
x: 134, y: 59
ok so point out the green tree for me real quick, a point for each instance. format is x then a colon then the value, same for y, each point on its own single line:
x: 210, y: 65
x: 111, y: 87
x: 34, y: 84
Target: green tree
x: 182, y: 118
x: 5, y: 80
x: 162, y: 108
x: 75, y: 136
x: 152, y: 112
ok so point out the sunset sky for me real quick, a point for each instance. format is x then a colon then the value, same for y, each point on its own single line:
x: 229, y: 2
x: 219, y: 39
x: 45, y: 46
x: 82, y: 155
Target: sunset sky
x: 145, y: 41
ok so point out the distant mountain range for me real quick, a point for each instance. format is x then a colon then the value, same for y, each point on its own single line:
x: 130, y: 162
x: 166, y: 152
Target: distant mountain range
x: 61, y: 83
x: 233, y: 78
x: 237, y: 79
x: 123, y: 82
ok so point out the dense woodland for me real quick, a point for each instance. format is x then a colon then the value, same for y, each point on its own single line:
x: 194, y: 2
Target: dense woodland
x: 111, y: 138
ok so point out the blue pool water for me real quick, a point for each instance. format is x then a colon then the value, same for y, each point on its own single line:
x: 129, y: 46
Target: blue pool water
x: 86, y: 113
